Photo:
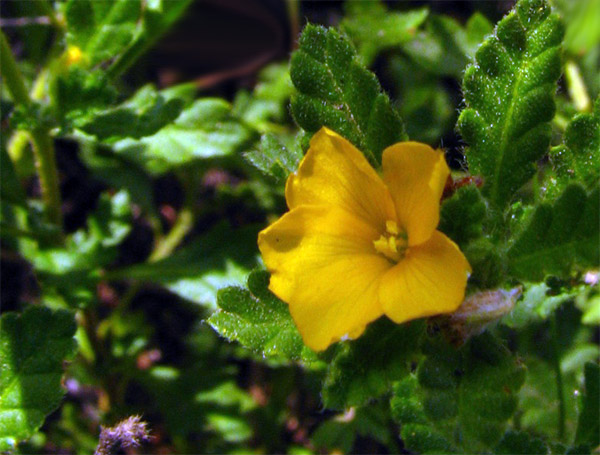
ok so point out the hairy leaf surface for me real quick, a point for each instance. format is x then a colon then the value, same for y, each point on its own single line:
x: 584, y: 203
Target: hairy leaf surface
x: 259, y: 320
x: 560, y: 237
x: 337, y: 91
x: 509, y: 94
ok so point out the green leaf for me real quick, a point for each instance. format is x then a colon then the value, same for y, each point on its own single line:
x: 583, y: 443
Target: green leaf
x: 70, y: 273
x: 274, y: 158
x: 417, y: 433
x: 365, y: 369
x: 373, y: 28
x: 76, y: 92
x: 337, y: 91
x: 143, y: 115
x: 118, y: 172
x: 462, y: 216
x: 228, y: 424
x: 259, y: 320
x: 339, y: 434
x: 207, y: 399
x: 206, y: 129
x: 102, y: 29
x: 559, y: 238
x: 464, y: 396
x: 588, y: 428
x: 10, y: 186
x: 538, y: 303
x: 158, y: 16
x: 33, y: 347
x: 509, y: 93
x: 223, y: 257
x: 445, y: 47
x: 577, y: 158
x: 423, y: 101
x: 118, y: 30
x: 589, y: 303
x: 538, y: 399
x: 520, y: 442
x: 582, y: 19
x: 268, y: 101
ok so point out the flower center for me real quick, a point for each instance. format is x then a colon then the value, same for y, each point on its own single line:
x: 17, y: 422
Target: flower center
x: 393, y: 243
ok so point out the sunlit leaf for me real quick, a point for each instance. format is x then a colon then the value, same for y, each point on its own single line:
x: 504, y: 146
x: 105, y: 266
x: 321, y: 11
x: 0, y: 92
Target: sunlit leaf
x: 206, y: 129
x: 259, y: 320
x: 33, y: 347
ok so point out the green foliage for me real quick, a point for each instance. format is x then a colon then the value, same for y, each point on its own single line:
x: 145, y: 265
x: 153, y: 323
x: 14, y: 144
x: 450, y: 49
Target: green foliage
x: 188, y: 175
x: 337, y: 91
x: 416, y: 431
x: 341, y: 433
x: 461, y: 216
x: 578, y: 157
x: 259, y: 320
x: 366, y: 368
x: 373, y: 28
x: 445, y: 47
x: 588, y: 428
x: 274, y: 158
x: 423, y: 101
x: 223, y: 257
x: 118, y: 30
x: 509, y: 93
x: 520, y: 442
x: 33, y: 347
x: 559, y: 238
x: 77, y: 92
x: 143, y: 115
x: 217, y: 405
x: 10, y: 188
x: 68, y: 274
x: 102, y: 30
x: 206, y: 129
x: 266, y: 104
x: 583, y: 21
x: 538, y: 303
x: 538, y: 400
x: 463, y: 398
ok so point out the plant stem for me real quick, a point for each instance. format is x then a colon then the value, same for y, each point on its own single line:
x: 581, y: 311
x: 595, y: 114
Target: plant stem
x: 43, y: 145
x: 11, y: 74
x: 43, y: 148
x: 576, y: 87
x: 293, y: 13
x: 559, y: 379
x: 44, y: 8
x: 167, y: 245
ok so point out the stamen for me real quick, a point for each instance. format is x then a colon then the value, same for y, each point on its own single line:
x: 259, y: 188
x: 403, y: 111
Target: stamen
x: 393, y: 243
x: 392, y: 227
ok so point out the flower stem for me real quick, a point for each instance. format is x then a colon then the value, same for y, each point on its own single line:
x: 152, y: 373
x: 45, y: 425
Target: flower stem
x: 167, y: 245
x: 43, y: 145
x: 11, y: 74
x: 576, y: 87
x: 559, y: 379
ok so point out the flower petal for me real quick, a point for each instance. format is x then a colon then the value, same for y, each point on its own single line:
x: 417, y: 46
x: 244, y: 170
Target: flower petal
x: 336, y: 174
x: 431, y: 279
x: 415, y: 175
x: 324, y: 266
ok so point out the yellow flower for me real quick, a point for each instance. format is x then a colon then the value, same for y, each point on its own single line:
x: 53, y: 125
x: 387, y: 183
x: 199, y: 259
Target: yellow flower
x: 73, y: 55
x: 354, y: 246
